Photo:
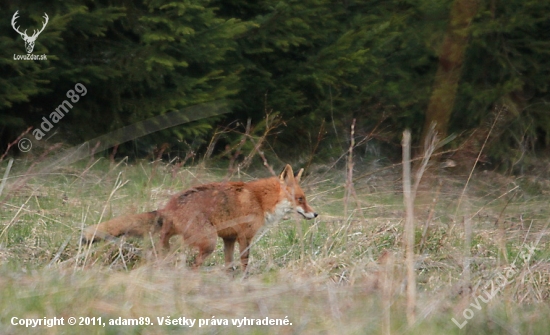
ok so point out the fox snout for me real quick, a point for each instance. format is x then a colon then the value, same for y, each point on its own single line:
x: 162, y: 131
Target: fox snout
x: 308, y: 215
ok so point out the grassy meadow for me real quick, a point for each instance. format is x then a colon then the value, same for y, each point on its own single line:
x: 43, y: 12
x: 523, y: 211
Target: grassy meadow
x: 482, y: 255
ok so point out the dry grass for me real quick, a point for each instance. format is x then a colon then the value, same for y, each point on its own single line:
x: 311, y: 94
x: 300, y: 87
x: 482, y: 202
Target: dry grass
x: 343, y: 274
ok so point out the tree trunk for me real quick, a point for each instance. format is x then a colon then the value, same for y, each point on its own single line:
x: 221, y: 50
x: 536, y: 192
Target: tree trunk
x: 448, y: 73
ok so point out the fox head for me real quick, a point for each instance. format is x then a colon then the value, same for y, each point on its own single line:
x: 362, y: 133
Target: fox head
x: 294, y: 192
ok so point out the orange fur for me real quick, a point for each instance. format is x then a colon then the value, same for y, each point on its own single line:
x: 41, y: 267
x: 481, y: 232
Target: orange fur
x: 234, y: 211
x: 132, y: 225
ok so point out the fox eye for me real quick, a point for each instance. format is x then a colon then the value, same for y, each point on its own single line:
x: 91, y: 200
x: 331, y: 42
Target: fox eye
x: 300, y: 199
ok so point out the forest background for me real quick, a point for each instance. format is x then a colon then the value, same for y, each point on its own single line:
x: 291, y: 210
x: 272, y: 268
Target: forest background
x: 312, y: 66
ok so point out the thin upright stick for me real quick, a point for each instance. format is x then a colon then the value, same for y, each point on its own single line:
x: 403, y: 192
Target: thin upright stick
x: 349, y: 177
x: 409, y: 228
x: 467, y: 254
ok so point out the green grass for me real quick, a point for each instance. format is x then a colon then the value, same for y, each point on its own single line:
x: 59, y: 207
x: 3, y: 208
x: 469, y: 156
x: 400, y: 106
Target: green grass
x: 326, y: 276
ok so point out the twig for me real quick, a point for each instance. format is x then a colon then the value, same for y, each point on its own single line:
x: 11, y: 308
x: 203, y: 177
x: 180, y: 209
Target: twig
x: 268, y: 129
x: 156, y: 161
x: 113, y: 154
x: 467, y: 254
x: 349, y: 177
x: 429, y: 147
x: 93, y: 151
x: 387, y: 263
x: 6, y: 173
x: 363, y: 140
x: 319, y: 139
x: 238, y: 148
x: 13, y: 143
x: 266, y: 164
x: 179, y: 164
x: 211, y: 145
x: 58, y: 253
x: 409, y: 228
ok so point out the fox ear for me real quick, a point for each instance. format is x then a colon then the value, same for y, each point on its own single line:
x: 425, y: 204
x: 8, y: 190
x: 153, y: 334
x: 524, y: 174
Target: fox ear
x: 298, y: 176
x: 287, y: 175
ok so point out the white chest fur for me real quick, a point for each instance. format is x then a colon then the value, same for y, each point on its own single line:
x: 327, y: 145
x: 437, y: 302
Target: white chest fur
x: 281, y: 209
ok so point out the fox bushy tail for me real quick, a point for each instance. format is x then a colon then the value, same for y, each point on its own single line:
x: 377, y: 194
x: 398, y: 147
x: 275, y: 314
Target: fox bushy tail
x: 132, y: 225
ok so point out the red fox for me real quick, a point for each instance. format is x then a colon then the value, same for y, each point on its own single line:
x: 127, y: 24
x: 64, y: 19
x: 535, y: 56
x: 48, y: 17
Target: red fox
x: 234, y: 211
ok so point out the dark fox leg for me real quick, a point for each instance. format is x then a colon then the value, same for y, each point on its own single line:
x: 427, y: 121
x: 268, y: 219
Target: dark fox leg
x: 244, y: 249
x: 166, y: 232
x: 228, y: 250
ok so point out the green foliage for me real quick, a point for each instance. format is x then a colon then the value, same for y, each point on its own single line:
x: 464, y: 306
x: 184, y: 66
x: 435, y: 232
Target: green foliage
x: 317, y: 63
x: 137, y: 60
x: 507, y: 66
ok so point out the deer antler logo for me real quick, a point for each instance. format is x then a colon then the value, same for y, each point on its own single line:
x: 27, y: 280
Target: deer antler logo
x: 29, y: 40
